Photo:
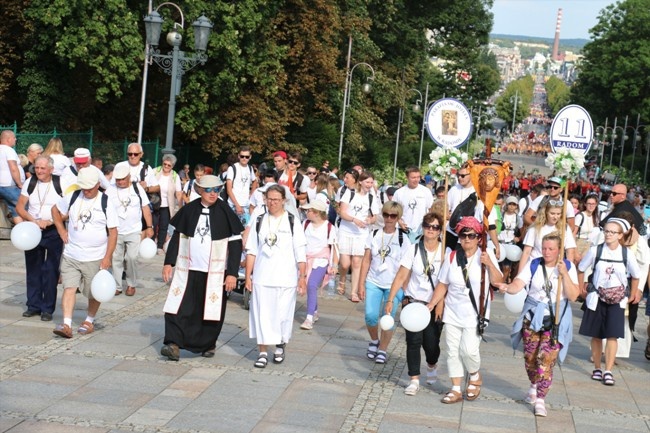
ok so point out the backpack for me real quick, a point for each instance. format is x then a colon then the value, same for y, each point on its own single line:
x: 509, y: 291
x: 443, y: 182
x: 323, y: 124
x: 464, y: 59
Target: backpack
x: 74, y: 171
x: 56, y: 181
x: 466, y: 208
x: 154, y: 197
x: 400, y: 236
x: 224, y: 191
x: 352, y: 192
x: 258, y: 224
x: 599, y: 252
x: 75, y: 196
x: 534, y: 264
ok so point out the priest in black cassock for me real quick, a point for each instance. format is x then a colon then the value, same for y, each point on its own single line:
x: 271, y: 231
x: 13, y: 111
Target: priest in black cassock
x: 206, y: 250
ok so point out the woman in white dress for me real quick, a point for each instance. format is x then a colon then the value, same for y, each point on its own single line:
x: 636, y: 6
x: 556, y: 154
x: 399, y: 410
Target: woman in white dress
x: 275, y: 271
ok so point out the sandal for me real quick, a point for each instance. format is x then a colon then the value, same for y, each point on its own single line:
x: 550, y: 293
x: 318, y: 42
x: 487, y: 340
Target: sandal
x: 278, y: 356
x: 262, y: 360
x: 412, y: 388
x: 597, y: 374
x: 372, y: 350
x: 475, y: 390
x: 354, y: 298
x: 608, y: 379
x: 381, y: 357
x: 647, y: 350
x: 341, y: 289
x: 452, y: 397
x: 86, y: 328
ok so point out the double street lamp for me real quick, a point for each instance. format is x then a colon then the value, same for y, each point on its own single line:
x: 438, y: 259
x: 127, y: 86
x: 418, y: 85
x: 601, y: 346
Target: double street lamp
x: 346, y: 93
x: 400, y: 119
x: 177, y: 62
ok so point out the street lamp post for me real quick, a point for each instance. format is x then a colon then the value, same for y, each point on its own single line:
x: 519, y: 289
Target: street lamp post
x: 514, y: 111
x: 177, y: 62
x: 400, y: 119
x: 346, y: 93
x: 424, y: 122
x: 611, y: 152
x: 623, y: 138
x: 637, y: 136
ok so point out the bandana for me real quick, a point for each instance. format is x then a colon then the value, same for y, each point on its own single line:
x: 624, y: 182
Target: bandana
x: 469, y: 222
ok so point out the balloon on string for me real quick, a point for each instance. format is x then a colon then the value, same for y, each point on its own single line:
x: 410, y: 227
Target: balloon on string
x: 515, y: 303
x: 103, y: 286
x: 26, y: 235
x: 513, y: 253
x: 386, y: 322
x: 415, y: 317
x: 147, y: 248
x: 502, y: 253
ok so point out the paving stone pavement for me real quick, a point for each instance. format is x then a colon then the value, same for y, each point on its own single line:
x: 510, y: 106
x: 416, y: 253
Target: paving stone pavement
x: 114, y: 380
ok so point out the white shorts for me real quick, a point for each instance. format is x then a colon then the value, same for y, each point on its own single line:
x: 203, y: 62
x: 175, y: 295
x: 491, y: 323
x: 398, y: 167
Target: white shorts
x: 352, y: 245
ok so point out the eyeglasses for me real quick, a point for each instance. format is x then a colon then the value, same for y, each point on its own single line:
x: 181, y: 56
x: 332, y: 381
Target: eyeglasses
x: 387, y: 215
x: 167, y: 165
x: 311, y: 173
x: 212, y: 189
x: 613, y: 193
x: 611, y: 232
x: 554, y: 187
x: 294, y: 162
x: 463, y: 175
x: 435, y: 227
x: 134, y: 153
x: 244, y: 156
x: 471, y: 236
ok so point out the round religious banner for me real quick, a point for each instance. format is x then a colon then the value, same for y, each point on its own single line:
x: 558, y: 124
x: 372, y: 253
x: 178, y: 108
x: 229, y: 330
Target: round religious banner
x: 449, y: 123
x: 572, y: 128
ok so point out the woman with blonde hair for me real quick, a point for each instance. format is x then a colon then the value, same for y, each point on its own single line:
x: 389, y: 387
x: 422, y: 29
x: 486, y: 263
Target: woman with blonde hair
x: 548, y: 220
x: 54, y: 150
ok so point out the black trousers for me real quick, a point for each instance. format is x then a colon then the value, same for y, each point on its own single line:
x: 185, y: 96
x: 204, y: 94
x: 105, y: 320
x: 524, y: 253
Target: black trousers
x: 42, y: 265
x: 161, y: 223
x: 427, y: 339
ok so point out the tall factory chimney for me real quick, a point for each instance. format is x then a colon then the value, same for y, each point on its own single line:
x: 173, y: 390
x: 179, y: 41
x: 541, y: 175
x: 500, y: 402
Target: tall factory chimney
x: 556, y: 42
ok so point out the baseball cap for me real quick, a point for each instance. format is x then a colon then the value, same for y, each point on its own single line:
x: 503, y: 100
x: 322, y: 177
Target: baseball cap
x: 555, y: 179
x: 317, y: 205
x: 81, y: 155
x: 512, y: 199
x: 121, y: 171
x: 88, y: 177
x: 281, y: 153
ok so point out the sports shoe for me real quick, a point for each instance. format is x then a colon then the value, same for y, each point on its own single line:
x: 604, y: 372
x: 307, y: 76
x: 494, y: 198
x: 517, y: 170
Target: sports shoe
x: 307, y: 324
x: 412, y: 388
x: 316, y: 316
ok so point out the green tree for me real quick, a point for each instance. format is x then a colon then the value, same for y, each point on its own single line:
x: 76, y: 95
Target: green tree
x: 520, y: 90
x: 557, y: 94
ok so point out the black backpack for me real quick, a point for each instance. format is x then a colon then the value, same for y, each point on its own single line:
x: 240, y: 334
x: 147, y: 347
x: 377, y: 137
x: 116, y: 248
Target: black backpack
x: 224, y: 192
x: 56, y: 181
x: 466, y: 208
x: 75, y: 196
x: 258, y: 224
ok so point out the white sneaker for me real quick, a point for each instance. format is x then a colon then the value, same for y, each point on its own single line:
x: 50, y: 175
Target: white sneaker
x: 316, y: 316
x: 432, y: 375
x: 413, y: 388
x: 307, y: 324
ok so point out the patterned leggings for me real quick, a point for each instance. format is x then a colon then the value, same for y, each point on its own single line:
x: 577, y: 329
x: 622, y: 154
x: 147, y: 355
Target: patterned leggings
x: 540, y: 357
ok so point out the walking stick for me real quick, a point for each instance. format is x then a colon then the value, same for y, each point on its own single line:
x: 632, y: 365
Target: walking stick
x: 556, y: 325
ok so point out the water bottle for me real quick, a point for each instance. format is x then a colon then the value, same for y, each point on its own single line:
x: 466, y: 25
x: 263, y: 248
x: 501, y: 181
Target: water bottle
x: 331, y: 286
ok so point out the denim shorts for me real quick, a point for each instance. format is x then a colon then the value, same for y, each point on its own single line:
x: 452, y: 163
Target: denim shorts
x: 10, y: 195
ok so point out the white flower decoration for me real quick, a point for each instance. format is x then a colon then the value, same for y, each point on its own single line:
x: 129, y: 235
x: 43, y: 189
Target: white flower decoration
x: 444, y: 160
x: 566, y: 162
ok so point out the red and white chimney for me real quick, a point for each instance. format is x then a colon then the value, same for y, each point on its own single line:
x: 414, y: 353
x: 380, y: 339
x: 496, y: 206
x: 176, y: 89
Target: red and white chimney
x: 556, y: 42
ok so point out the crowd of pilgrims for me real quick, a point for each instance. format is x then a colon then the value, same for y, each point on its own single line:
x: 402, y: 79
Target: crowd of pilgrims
x: 286, y: 231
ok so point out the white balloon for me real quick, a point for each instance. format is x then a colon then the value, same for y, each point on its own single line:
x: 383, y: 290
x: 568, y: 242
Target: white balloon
x: 513, y: 253
x: 103, y: 286
x: 502, y: 253
x: 26, y: 235
x: 386, y: 322
x: 147, y: 248
x: 415, y: 317
x: 515, y: 303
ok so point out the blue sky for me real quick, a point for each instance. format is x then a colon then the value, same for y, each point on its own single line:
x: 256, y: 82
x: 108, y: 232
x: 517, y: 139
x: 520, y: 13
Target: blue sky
x: 538, y: 17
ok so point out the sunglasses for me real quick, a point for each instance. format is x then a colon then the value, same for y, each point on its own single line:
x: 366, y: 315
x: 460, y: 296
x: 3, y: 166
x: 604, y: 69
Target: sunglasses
x: 133, y: 154
x: 613, y: 193
x: 554, y: 187
x: 555, y: 202
x: 293, y: 162
x: 244, y: 156
x: 463, y: 175
x: 435, y: 227
x: 387, y: 215
x: 310, y: 173
x: 471, y: 236
x: 212, y: 189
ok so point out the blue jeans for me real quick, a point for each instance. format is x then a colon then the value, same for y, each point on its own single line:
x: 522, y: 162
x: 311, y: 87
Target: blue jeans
x: 10, y: 195
x: 376, y: 300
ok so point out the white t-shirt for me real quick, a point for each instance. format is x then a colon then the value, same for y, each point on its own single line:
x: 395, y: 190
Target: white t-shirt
x: 311, y: 193
x: 385, y: 256
x: 459, y: 310
x: 68, y: 178
x: 610, y: 273
x: 585, y: 225
x: 536, y: 284
x: 277, y: 251
x: 128, y: 207
x: 201, y: 243
x: 511, y: 222
x: 257, y: 200
x: 304, y: 185
x: 242, y: 179
x: 416, y: 203
x: 87, y: 237
x: 359, y: 208
x: 318, y: 239
x: 149, y: 175
x: 42, y: 199
x: 60, y: 163
x: 534, y: 239
x: 7, y: 153
x: 419, y: 287
x: 164, y: 187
